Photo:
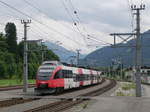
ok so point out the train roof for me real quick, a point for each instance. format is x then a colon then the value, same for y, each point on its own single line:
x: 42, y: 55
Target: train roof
x: 68, y: 65
x: 51, y: 62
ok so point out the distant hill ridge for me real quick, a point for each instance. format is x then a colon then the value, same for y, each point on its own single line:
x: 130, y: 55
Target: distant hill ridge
x: 62, y: 52
x: 103, y: 57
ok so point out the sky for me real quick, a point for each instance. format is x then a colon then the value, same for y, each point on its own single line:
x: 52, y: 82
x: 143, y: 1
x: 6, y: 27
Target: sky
x: 54, y: 20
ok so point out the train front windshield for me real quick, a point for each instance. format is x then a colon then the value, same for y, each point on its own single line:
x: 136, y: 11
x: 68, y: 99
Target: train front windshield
x: 45, y: 72
x: 44, y: 75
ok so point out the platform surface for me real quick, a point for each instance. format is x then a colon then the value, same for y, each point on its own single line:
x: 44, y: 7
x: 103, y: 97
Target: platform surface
x: 122, y: 104
x: 119, y: 104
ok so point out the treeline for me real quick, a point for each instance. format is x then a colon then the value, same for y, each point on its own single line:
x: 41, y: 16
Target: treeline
x: 11, y: 55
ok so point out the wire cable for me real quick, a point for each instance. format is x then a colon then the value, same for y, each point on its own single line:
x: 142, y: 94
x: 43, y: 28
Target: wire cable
x: 4, y: 3
x: 39, y: 10
x: 71, y: 17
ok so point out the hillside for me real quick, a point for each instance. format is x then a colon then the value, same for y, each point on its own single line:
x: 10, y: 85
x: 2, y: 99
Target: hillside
x: 103, y: 57
x: 62, y: 52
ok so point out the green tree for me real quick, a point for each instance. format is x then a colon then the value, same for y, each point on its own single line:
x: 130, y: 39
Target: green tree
x: 3, y: 44
x: 3, y: 69
x: 2, y: 37
x: 50, y: 55
x: 21, y: 49
x: 11, y: 37
x: 9, y: 58
x: 11, y: 55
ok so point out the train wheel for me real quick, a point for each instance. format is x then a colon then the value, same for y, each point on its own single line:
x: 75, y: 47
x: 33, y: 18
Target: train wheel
x: 57, y: 90
x: 61, y: 90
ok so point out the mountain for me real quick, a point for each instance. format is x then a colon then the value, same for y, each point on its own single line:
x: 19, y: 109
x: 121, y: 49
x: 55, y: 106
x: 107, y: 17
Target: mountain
x: 63, y: 53
x: 107, y: 56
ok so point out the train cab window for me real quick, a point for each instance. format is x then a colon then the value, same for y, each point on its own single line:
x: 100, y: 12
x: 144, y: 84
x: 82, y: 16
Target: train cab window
x: 44, y: 75
x: 58, y: 75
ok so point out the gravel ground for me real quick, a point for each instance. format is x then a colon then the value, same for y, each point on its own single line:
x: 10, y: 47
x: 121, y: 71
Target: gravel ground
x: 128, y: 92
x: 14, y: 93
x: 88, y: 104
x: 108, y: 102
x: 146, y: 90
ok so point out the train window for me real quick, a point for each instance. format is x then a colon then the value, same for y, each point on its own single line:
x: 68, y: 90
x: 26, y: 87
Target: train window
x: 77, y: 77
x: 70, y: 74
x: 64, y: 73
x: 148, y: 73
x: 67, y: 73
x: 81, y: 77
x: 58, y: 75
x: 44, y: 75
x: 74, y: 77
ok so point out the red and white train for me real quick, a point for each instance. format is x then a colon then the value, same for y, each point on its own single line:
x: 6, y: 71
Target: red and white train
x: 55, y: 77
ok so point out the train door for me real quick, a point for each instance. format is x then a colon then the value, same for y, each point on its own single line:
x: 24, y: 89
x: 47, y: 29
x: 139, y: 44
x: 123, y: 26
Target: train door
x: 80, y: 76
x: 68, y: 79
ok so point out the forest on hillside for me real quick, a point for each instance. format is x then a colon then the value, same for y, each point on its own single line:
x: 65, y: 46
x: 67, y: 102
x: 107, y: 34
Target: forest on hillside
x: 11, y: 55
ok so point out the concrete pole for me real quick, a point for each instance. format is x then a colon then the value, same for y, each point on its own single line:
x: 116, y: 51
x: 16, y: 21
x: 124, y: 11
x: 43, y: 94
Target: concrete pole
x: 138, y: 56
x: 42, y: 52
x: 138, y: 50
x: 25, y: 57
x: 78, y: 56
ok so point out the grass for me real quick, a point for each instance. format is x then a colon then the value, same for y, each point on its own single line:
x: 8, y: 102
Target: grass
x: 128, y: 86
x: 11, y: 82
x: 85, y: 105
x: 122, y: 94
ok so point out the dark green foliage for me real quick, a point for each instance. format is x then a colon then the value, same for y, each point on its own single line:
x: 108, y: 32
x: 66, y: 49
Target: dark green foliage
x: 49, y: 55
x: 11, y: 55
x: 11, y: 70
x: 3, y: 69
x: 20, y: 49
x: 9, y: 58
x: 11, y: 37
x: 33, y: 70
x: 3, y: 44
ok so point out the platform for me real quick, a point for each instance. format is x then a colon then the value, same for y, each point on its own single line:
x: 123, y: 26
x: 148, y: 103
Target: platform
x: 119, y: 104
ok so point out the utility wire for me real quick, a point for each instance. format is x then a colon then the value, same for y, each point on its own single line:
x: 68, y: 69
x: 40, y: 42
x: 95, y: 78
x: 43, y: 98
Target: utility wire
x: 41, y: 30
x: 131, y: 14
x: 77, y: 16
x: 70, y: 15
x: 75, y: 23
x: 74, y: 10
x: 31, y: 5
x: 79, y: 20
x: 76, y: 13
x: 4, y: 3
x: 44, y: 13
x: 100, y: 41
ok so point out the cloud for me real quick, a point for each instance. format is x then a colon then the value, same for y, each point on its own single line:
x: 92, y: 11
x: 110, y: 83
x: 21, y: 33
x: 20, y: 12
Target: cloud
x: 98, y: 18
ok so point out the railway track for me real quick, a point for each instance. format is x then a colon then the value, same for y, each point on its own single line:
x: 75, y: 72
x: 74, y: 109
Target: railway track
x: 60, y: 106
x: 7, y: 88
x: 14, y: 101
